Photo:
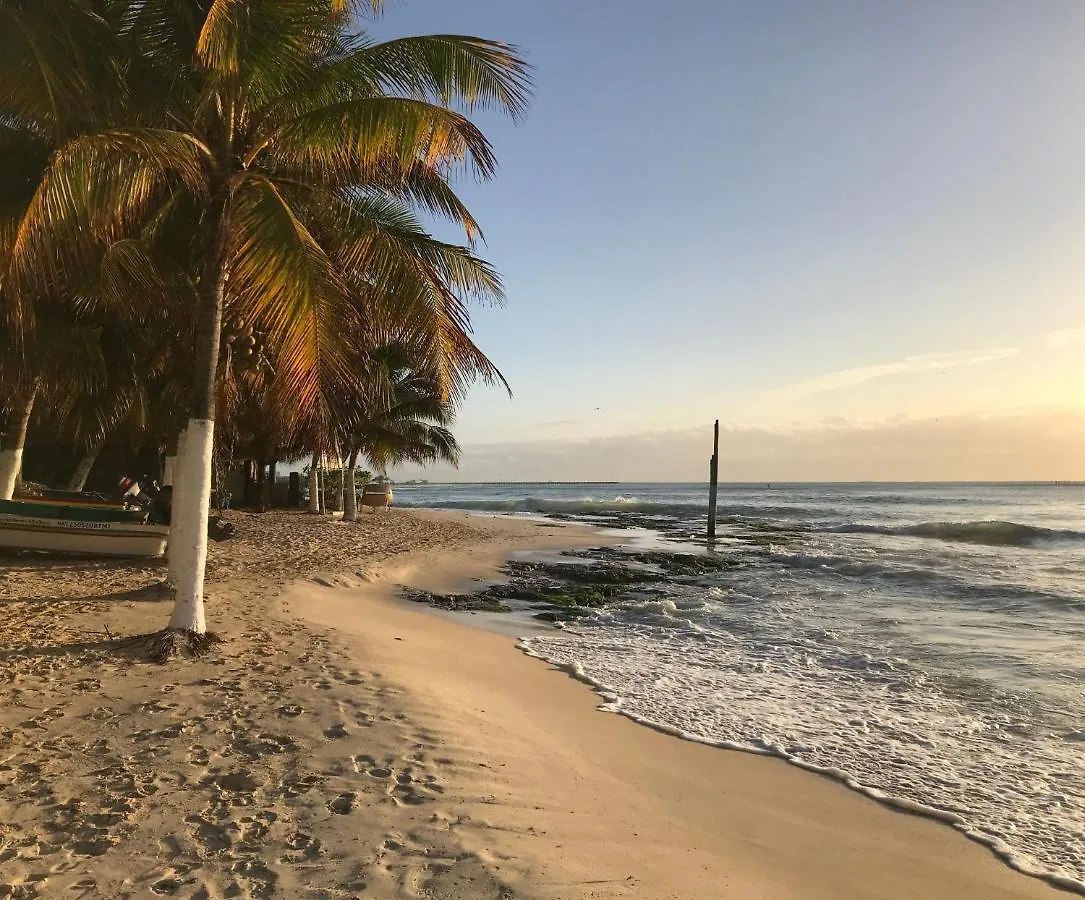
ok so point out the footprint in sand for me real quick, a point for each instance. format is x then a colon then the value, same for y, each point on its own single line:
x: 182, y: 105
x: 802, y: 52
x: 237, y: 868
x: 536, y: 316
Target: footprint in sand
x: 166, y: 886
x: 211, y: 837
x: 156, y: 706
x: 342, y: 804
x: 260, y: 878
x: 291, y: 711
x: 263, y: 745
x: 302, y: 785
x: 238, y: 782
x: 255, y: 828
x: 303, y: 846
x: 338, y: 730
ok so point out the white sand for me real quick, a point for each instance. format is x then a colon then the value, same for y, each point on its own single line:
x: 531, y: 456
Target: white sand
x: 343, y: 744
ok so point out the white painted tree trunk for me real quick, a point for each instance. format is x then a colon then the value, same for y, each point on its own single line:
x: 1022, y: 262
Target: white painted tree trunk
x: 314, y: 486
x: 350, y: 500
x: 177, y: 538
x: 11, y: 464
x: 82, y: 471
x: 195, y: 499
x: 11, y: 451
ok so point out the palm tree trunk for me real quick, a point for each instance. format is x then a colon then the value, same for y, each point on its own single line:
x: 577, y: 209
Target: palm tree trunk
x: 11, y: 450
x: 314, y: 485
x: 340, y: 494
x: 269, y: 487
x: 261, y: 484
x: 82, y: 471
x: 350, y: 499
x: 191, y: 507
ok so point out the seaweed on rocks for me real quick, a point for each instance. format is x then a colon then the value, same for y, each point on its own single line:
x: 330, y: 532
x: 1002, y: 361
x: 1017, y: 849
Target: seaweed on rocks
x: 483, y: 601
x: 667, y: 564
x: 583, y: 582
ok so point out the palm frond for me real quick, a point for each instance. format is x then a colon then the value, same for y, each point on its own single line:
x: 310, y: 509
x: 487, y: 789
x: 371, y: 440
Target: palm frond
x: 345, y: 142
x: 281, y: 277
x: 97, y: 188
x: 452, y: 69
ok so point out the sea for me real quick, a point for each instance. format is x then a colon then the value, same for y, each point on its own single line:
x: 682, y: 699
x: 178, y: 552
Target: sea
x: 923, y: 643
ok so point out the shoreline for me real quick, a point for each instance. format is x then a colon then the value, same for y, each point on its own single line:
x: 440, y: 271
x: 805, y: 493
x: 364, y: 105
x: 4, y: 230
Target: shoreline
x: 897, y: 839
x: 998, y: 849
x: 347, y: 741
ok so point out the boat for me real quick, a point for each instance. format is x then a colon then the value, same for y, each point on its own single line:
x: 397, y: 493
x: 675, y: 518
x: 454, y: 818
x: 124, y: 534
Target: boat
x: 66, y: 527
x: 377, y: 493
x: 74, y: 498
x: 84, y: 511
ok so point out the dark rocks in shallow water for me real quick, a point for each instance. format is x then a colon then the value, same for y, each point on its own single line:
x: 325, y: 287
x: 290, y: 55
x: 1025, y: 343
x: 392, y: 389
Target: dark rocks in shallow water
x: 480, y: 602
x: 590, y: 580
x: 590, y: 597
x: 668, y: 564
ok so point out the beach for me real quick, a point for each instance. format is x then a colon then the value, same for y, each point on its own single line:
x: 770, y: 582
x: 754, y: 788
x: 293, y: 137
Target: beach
x: 344, y: 743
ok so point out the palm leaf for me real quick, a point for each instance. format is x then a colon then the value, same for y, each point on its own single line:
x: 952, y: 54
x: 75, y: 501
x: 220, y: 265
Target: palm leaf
x: 281, y: 277
x: 97, y: 188
x: 345, y: 142
x: 451, y: 69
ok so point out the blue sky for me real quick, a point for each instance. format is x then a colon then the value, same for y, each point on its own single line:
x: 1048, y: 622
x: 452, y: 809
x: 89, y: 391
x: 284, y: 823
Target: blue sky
x: 789, y: 215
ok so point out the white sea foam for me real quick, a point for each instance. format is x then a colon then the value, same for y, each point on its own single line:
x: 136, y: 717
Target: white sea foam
x: 870, y: 723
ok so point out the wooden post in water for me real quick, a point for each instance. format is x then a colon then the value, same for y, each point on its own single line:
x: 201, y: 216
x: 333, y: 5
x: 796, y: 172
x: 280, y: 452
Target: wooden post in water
x: 713, y: 477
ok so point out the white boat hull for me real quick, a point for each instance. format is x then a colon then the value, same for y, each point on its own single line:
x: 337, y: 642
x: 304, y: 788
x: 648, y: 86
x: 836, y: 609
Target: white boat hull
x: 68, y: 536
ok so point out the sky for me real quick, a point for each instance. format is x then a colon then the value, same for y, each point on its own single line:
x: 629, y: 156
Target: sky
x: 852, y: 230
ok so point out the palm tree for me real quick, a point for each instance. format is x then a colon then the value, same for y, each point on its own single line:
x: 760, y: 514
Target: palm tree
x: 45, y: 92
x: 60, y: 359
x: 257, y: 125
x: 410, y: 425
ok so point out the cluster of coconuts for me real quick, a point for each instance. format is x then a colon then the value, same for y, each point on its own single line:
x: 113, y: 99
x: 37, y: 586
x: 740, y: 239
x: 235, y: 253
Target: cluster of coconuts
x: 243, y: 341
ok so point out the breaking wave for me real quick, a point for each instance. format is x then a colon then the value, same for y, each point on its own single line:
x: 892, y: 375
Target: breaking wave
x: 994, y: 533
x: 591, y: 506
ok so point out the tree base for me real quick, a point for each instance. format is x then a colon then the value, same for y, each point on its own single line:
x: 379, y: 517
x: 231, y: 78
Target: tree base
x: 170, y: 643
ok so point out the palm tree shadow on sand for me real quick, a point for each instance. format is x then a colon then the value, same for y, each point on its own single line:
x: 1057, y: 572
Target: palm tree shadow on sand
x: 155, y: 647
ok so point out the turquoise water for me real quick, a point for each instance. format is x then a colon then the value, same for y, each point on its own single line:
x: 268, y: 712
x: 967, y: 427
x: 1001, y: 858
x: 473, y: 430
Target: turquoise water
x: 924, y: 643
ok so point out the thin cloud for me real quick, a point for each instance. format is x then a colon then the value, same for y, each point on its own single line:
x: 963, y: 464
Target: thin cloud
x: 561, y: 423
x: 909, y: 365
x: 1064, y: 337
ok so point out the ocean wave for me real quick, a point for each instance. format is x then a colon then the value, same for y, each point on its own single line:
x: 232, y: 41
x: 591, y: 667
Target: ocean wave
x: 997, y: 596
x: 914, y: 499
x: 994, y: 533
x: 582, y: 506
x: 601, y: 506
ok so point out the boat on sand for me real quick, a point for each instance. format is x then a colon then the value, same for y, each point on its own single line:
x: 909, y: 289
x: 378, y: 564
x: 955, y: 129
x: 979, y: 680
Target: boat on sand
x: 69, y: 525
x: 377, y: 494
